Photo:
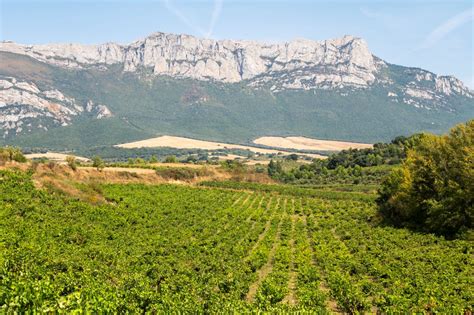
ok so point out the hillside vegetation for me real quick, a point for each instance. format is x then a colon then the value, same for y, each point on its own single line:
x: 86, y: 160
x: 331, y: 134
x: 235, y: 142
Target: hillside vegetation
x: 353, y: 166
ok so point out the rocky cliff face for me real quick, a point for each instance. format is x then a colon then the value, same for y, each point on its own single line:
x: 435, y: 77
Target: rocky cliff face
x: 24, y: 107
x: 299, y: 64
x: 225, y: 60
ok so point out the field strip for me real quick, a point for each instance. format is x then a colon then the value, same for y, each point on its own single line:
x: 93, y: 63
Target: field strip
x: 253, y: 202
x: 251, y: 215
x: 243, y: 208
x: 331, y: 304
x: 371, y: 298
x: 267, y: 208
x: 261, y: 201
x: 263, y: 272
x: 304, y: 143
x: 267, y: 227
x: 290, y: 298
x: 245, y: 201
x: 250, y: 206
x: 236, y: 200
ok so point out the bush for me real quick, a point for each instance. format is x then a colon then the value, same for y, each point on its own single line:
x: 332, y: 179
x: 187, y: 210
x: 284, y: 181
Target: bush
x: 71, y: 161
x: 171, y: 159
x: 434, y: 187
x: 9, y: 154
x: 98, y: 163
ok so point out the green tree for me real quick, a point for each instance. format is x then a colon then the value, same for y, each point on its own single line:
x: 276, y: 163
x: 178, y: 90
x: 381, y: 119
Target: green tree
x: 434, y: 187
x: 274, y: 168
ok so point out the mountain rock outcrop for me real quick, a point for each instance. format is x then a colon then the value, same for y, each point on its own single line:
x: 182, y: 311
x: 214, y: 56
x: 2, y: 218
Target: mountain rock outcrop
x: 223, y: 60
x: 299, y: 64
x: 25, y: 107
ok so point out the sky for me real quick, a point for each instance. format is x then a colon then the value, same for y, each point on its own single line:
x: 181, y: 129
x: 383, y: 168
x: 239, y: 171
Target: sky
x: 433, y: 35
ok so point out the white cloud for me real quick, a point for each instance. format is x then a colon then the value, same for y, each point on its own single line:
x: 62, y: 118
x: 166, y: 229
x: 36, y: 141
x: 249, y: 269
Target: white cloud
x: 447, y: 27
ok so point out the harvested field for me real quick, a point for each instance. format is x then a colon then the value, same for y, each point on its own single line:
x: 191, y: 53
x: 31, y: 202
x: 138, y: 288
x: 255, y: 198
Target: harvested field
x: 303, y: 143
x: 187, y: 143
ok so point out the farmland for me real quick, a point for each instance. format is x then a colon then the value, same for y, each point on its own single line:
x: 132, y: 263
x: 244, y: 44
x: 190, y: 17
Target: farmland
x: 220, y: 247
x: 187, y: 143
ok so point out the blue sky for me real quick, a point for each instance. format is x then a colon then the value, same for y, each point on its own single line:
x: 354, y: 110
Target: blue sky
x: 434, y: 35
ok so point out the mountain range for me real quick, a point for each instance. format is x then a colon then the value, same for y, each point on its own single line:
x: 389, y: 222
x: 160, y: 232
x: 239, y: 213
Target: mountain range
x: 64, y: 96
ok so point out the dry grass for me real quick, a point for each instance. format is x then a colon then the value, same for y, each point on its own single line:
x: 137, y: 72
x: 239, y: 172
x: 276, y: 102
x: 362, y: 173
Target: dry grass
x: 80, y: 184
x: 54, y: 156
x: 303, y: 143
x: 121, y: 169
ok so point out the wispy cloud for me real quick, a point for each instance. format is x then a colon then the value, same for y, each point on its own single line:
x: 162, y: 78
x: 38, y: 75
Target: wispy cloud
x: 216, y: 13
x: 447, y: 27
x: 179, y: 14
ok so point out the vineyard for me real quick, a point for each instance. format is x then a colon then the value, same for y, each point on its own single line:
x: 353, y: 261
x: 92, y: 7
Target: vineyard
x: 220, y: 247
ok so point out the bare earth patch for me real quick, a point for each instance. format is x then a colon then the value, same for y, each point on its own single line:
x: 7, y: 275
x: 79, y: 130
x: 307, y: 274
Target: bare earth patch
x: 303, y: 143
x: 187, y: 143
x: 122, y: 169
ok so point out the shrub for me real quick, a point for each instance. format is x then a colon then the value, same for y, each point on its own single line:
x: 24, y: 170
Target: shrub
x: 9, y: 154
x: 171, y: 159
x: 71, y: 162
x: 98, y: 163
